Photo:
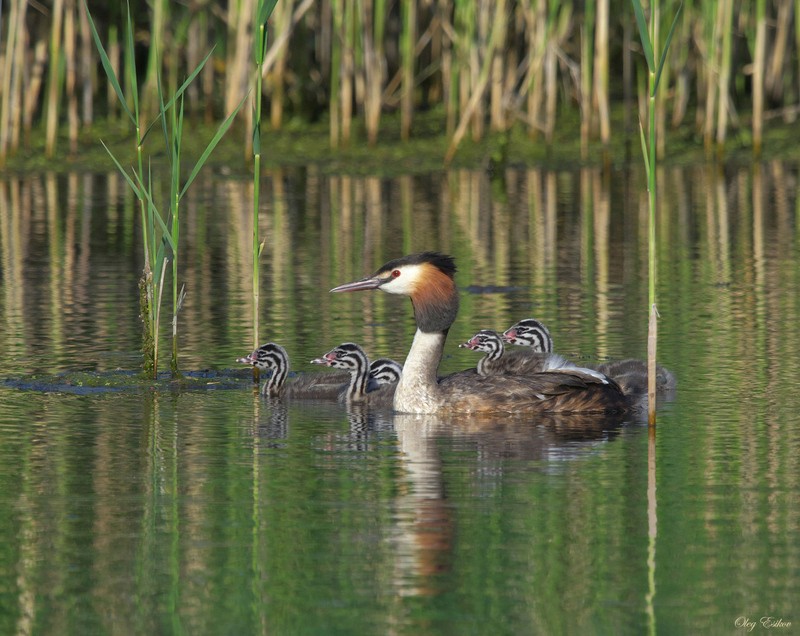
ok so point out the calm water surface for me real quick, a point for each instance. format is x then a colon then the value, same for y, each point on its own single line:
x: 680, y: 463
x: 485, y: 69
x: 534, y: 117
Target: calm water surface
x: 217, y: 511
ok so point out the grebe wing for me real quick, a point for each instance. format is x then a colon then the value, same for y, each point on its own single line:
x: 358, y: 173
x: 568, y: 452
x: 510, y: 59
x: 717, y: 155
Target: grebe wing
x: 317, y: 386
x: 556, y: 391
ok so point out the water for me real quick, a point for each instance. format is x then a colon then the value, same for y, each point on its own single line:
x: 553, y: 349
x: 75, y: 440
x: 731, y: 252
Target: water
x: 217, y: 511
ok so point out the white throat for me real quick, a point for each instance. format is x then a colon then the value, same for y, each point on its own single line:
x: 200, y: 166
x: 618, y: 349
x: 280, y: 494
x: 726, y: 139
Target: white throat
x: 418, y: 388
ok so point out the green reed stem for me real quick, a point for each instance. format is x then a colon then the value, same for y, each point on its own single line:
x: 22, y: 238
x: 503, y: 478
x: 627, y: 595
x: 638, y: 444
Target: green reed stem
x: 156, y: 236
x: 650, y: 47
x: 264, y: 9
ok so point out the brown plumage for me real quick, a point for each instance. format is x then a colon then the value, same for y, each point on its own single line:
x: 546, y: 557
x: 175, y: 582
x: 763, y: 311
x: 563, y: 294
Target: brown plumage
x: 631, y: 375
x: 428, y: 279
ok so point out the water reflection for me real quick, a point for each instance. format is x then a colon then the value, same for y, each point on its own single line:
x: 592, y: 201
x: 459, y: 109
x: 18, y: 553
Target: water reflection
x: 231, y: 512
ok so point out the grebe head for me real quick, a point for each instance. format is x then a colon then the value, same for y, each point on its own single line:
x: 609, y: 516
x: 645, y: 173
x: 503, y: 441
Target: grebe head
x: 348, y: 356
x: 267, y: 356
x: 530, y: 333
x: 385, y: 371
x: 485, y: 340
x: 427, y: 278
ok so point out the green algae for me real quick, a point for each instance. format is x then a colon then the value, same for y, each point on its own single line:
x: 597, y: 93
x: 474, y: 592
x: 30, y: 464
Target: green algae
x: 88, y: 382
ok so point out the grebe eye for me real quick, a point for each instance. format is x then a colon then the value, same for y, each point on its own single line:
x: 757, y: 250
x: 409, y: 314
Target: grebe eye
x: 395, y: 273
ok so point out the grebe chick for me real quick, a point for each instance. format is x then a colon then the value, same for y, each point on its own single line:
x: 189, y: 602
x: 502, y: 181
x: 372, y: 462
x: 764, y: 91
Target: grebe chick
x: 523, y: 361
x: 428, y: 279
x: 273, y: 357
x: 530, y: 333
x: 361, y: 388
x: 630, y: 374
x: 384, y: 371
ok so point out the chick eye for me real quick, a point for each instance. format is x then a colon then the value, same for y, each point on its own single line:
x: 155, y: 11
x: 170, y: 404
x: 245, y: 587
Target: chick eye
x: 395, y: 273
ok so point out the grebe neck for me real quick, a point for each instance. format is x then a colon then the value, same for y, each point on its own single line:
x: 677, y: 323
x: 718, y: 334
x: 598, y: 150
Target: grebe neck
x: 418, y: 388
x: 359, y: 376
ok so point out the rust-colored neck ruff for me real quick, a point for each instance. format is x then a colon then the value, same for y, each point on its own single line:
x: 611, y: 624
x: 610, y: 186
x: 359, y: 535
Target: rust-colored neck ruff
x: 435, y: 300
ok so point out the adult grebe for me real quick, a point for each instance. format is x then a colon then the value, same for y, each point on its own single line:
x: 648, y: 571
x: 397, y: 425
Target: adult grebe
x: 630, y: 374
x: 363, y: 387
x: 428, y: 279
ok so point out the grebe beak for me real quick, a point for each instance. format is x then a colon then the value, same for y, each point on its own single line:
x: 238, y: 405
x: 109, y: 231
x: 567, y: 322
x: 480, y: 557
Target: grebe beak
x: 328, y: 359
x: 469, y: 344
x: 251, y: 359
x: 359, y: 285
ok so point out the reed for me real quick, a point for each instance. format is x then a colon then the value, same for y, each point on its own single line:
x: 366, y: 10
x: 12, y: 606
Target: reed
x: 655, y: 68
x: 348, y: 72
x: 151, y: 280
x: 759, y: 63
x: 374, y: 65
x: 335, y: 72
x: 601, y: 72
x: 54, y: 79
x: 263, y: 10
x: 407, y: 38
x: 160, y: 237
x: 10, y: 80
x: 725, y: 7
x: 586, y: 69
x: 356, y: 59
x: 479, y: 86
x: 155, y: 50
x: 70, y: 75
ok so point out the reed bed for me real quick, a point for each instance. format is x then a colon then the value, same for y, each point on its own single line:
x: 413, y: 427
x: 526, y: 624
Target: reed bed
x: 486, y: 66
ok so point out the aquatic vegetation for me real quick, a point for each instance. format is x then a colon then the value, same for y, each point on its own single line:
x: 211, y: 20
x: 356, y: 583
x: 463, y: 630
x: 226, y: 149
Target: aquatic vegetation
x: 160, y: 229
x: 263, y: 11
x: 649, y: 152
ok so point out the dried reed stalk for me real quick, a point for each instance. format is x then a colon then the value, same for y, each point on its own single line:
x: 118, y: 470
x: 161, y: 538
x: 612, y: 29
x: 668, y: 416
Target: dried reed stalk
x: 11, y: 80
x: 54, y: 79
x: 70, y: 83
x: 277, y: 75
x: 601, y: 64
x: 407, y: 38
x: 759, y: 61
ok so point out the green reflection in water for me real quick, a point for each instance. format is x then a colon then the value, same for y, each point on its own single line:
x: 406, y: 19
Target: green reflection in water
x: 215, y: 511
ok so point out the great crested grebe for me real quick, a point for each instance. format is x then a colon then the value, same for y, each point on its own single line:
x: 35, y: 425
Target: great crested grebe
x: 522, y: 361
x: 428, y: 279
x: 363, y: 387
x: 630, y: 374
x: 317, y: 386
